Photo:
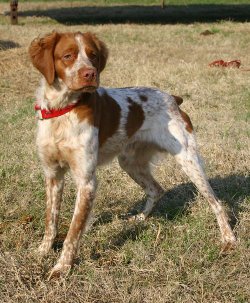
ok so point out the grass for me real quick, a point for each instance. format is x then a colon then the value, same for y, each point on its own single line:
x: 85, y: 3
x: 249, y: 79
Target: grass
x: 173, y: 258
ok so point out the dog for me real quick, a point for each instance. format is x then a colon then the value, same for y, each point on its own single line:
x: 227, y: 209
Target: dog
x: 82, y: 125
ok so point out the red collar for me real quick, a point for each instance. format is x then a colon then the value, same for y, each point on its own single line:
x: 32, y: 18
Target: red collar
x: 52, y: 113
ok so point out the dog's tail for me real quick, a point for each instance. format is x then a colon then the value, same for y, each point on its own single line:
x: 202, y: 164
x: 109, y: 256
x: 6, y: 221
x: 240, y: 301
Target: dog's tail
x: 178, y: 99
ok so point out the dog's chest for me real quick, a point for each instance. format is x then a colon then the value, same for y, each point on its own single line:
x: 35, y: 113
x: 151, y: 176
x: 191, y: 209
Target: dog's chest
x: 62, y: 141
x: 63, y: 138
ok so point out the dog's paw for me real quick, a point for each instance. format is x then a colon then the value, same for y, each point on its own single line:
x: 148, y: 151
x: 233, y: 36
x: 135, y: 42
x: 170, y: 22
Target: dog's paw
x: 59, y: 270
x: 228, y: 244
x: 43, y: 249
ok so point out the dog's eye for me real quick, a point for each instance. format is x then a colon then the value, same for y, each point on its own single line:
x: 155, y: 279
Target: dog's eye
x: 67, y: 57
x: 93, y: 56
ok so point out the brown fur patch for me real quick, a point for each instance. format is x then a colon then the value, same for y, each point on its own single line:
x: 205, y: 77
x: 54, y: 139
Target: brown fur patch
x: 100, y: 111
x: 135, y: 117
x: 80, y: 219
x: 41, y: 52
x: 86, y: 108
x: 66, y: 45
x: 178, y: 99
x: 143, y: 98
x: 185, y: 117
x: 97, y: 48
x: 110, y: 113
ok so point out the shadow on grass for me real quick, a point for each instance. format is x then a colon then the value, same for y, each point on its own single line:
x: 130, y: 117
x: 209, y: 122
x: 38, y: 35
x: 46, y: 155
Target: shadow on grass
x: 144, y: 14
x: 8, y: 44
x: 175, y: 202
x: 232, y: 190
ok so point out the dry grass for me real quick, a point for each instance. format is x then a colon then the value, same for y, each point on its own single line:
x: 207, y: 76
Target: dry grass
x: 174, y: 259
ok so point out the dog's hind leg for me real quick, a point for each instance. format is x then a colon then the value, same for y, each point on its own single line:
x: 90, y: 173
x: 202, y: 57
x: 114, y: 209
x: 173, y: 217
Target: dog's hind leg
x: 180, y: 142
x: 135, y: 160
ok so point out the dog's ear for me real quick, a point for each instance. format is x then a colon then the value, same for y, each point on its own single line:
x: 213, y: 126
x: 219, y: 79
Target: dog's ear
x: 41, y: 52
x: 101, y: 47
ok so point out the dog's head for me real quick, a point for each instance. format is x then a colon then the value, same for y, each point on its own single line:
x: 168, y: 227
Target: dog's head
x: 77, y: 59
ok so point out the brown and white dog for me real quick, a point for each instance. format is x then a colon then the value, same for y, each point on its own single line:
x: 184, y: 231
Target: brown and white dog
x: 82, y: 126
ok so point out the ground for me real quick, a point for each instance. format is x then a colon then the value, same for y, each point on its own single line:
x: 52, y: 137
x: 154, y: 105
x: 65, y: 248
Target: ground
x: 175, y: 255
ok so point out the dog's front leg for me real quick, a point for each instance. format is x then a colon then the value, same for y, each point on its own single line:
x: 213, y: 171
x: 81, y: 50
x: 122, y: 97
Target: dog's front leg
x: 82, y: 164
x: 54, y: 189
x: 84, y: 202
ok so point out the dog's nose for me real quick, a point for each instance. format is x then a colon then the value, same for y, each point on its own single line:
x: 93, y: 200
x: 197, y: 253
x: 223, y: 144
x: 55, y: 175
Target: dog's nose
x: 88, y: 74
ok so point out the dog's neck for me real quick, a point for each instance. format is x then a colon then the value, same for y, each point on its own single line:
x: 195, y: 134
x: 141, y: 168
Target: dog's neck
x: 55, y: 96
